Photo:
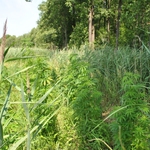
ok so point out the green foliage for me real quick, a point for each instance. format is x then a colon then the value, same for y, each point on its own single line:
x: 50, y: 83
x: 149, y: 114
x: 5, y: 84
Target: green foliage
x: 83, y: 105
x: 79, y: 35
x: 26, y: 117
x: 60, y: 99
x: 65, y: 22
x: 4, y: 108
x: 130, y: 127
x: 69, y: 18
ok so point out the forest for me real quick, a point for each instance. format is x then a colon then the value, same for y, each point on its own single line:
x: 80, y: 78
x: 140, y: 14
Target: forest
x: 69, y: 23
x: 80, y: 80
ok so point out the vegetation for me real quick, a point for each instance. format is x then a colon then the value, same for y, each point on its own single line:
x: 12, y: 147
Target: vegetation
x: 83, y: 97
x: 75, y: 99
x: 68, y: 23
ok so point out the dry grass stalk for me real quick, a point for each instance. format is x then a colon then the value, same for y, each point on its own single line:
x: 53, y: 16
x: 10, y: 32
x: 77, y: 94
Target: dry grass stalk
x: 3, y: 43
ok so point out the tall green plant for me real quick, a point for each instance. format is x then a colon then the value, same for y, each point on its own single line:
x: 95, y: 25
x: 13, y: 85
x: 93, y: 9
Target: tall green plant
x: 39, y: 120
x: 3, y: 114
x: 83, y: 106
x: 5, y: 106
x: 38, y: 105
x: 131, y: 126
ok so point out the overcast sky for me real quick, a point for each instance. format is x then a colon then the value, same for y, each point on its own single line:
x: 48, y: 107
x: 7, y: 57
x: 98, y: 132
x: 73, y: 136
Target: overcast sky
x: 21, y: 16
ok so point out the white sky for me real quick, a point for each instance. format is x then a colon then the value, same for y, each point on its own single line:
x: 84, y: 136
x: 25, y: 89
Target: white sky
x: 21, y: 16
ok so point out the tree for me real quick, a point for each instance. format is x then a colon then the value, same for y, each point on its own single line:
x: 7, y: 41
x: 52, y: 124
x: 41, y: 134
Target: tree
x: 74, y: 22
x: 55, y: 16
x: 10, y: 41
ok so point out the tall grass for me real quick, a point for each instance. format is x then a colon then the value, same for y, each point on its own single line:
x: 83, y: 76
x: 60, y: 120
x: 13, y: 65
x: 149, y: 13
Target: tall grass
x: 3, y: 110
x: 110, y: 67
x: 13, y: 133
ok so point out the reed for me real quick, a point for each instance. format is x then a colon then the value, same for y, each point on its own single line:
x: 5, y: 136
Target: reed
x: 2, y: 47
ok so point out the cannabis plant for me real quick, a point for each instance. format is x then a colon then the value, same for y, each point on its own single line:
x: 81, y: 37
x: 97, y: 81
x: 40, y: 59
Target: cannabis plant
x: 83, y: 106
x: 131, y: 125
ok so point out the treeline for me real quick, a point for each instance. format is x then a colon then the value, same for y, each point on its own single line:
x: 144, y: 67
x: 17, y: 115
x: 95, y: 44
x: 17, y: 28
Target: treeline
x: 26, y: 40
x: 75, y: 22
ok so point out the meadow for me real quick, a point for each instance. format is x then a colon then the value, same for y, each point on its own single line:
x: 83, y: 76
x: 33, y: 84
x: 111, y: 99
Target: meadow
x: 76, y: 99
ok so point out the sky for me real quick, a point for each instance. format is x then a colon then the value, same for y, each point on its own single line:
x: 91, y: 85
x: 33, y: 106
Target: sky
x: 21, y: 16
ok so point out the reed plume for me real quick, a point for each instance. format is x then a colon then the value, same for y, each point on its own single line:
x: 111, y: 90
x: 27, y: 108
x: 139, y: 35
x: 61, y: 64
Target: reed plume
x: 3, y: 43
x: 2, y: 46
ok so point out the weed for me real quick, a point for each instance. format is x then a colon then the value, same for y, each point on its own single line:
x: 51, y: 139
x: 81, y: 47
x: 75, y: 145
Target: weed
x: 130, y: 127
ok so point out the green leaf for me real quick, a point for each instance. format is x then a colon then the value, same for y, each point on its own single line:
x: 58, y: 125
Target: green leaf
x: 17, y: 87
x: 26, y: 109
x: 44, y: 96
x: 20, y: 58
x: 3, y: 113
x: 24, y: 104
x: 23, y: 70
x: 5, y: 106
x: 1, y: 135
x: 6, y: 51
x: 39, y: 127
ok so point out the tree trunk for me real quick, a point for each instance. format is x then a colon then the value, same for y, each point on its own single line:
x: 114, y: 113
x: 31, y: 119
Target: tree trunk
x: 149, y: 37
x: 66, y: 38
x: 118, y: 23
x: 91, y: 26
x: 73, y: 14
x: 108, y: 21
